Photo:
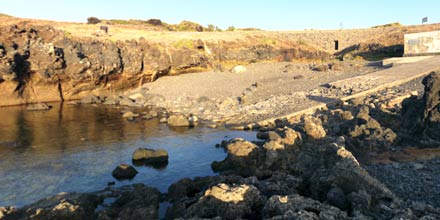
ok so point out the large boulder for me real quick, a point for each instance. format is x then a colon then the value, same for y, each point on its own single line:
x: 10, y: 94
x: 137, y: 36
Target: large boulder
x: 243, y: 158
x: 124, y: 171
x: 422, y: 116
x: 227, y: 201
x: 150, y: 156
x: 339, y: 179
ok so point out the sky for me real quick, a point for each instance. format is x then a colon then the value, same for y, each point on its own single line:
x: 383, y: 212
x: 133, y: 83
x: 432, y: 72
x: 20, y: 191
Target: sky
x: 264, y: 14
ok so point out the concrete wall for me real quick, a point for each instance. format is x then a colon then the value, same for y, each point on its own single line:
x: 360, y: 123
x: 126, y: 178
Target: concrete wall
x: 424, y: 43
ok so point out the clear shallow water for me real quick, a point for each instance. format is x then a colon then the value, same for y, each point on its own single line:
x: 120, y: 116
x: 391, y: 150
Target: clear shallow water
x: 75, y: 149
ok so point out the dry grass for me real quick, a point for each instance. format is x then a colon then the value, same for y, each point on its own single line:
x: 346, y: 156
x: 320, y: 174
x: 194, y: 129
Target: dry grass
x: 323, y: 39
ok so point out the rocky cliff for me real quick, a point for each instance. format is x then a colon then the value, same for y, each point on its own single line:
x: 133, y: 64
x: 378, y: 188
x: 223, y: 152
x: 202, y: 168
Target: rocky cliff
x: 42, y: 63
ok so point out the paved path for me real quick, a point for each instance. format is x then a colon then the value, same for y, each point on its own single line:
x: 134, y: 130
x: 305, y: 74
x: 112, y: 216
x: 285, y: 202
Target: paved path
x: 369, y: 83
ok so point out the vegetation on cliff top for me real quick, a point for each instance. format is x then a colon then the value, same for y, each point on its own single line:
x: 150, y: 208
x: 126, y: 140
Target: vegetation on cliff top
x: 157, y: 23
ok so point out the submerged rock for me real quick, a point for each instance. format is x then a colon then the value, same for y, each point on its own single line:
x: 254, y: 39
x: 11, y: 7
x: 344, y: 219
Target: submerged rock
x: 38, y: 107
x: 124, y: 171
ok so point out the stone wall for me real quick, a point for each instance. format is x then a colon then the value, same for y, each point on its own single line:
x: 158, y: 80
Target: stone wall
x: 425, y: 43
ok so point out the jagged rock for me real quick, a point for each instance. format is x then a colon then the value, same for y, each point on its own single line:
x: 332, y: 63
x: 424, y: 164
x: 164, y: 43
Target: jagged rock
x: 69, y: 206
x: 337, y: 167
x: 227, y: 201
x: 150, y: 156
x: 124, y: 171
x: 291, y: 137
x: 132, y: 202
x: 178, y: 121
x: 422, y: 116
x: 313, y: 128
x: 243, y: 158
x: 297, y: 207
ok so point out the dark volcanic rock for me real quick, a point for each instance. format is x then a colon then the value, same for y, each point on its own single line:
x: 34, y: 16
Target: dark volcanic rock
x: 132, y: 202
x: 297, y: 207
x: 124, y: 171
x: 69, y: 206
x: 422, y: 116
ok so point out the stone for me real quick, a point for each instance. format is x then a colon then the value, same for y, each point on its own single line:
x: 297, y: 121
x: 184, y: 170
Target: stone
x: 291, y: 137
x: 337, y: 198
x: 69, y: 206
x: 130, y: 114
x: 313, y: 128
x: 347, y: 115
x: 238, y: 69
x: 228, y: 201
x: 297, y: 207
x: 263, y: 135
x: 389, y: 135
x: 124, y: 171
x: 242, y: 158
x: 363, y: 114
x: 163, y: 120
x: 38, y: 107
x: 136, y: 97
x: 150, y: 156
x: 136, y: 201
x: 178, y: 121
x: 153, y: 113
x: 273, y: 136
x: 240, y: 148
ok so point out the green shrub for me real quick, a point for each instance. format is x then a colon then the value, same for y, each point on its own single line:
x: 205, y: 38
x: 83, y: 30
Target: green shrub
x: 93, y: 20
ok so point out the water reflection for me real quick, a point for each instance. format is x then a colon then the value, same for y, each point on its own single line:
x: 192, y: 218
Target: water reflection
x: 75, y: 148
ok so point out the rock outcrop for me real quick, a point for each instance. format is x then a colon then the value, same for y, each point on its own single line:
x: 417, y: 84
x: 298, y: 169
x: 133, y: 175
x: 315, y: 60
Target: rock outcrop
x: 41, y: 63
x: 422, y: 116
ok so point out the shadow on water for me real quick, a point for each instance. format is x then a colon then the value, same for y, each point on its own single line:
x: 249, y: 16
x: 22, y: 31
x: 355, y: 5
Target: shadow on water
x: 75, y: 148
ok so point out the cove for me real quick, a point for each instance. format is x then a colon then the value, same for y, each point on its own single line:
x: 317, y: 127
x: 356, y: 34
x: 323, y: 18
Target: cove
x: 74, y: 148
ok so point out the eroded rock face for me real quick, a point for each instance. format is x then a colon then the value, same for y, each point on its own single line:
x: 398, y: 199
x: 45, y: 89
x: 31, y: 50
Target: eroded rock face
x: 59, y: 67
x: 422, y: 116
